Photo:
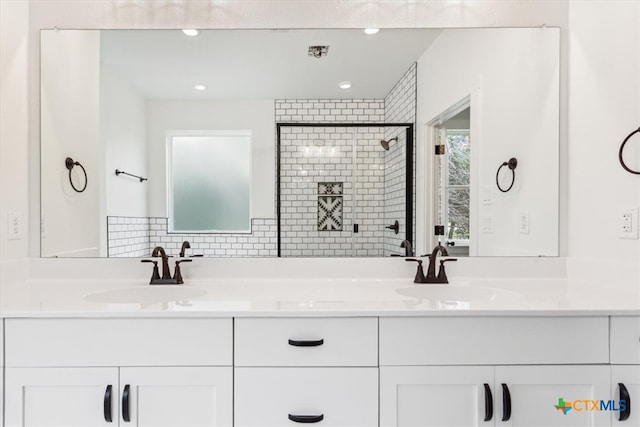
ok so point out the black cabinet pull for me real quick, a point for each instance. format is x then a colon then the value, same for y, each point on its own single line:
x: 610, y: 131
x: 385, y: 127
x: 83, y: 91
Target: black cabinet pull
x: 306, y: 343
x: 126, y: 415
x: 306, y: 419
x: 506, y: 403
x: 488, y: 403
x: 624, y: 396
x: 107, y: 404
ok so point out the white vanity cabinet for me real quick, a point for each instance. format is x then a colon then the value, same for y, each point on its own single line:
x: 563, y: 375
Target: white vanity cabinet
x: 105, y: 372
x: 485, y: 371
x: 625, y: 367
x: 306, y: 370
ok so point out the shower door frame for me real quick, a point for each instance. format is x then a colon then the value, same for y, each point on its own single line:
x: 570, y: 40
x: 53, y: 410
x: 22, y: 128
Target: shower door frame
x: 409, y: 176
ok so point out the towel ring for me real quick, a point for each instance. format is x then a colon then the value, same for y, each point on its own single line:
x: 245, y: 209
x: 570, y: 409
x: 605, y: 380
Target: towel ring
x: 512, y: 164
x: 625, y: 167
x: 69, y: 163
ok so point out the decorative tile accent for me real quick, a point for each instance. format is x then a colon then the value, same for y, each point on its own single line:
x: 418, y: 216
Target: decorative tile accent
x: 330, y: 213
x: 330, y: 188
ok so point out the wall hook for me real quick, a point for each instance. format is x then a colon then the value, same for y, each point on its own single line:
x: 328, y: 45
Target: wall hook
x: 624, y: 166
x: 69, y: 163
x: 512, y: 164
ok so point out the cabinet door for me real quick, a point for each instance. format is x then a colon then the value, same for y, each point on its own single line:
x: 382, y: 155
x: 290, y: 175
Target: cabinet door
x: 442, y: 396
x: 185, y: 397
x: 629, y: 377
x: 529, y: 396
x: 61, y: 397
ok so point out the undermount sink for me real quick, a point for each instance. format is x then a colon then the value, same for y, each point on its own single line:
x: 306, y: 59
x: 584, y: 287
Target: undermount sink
x: 151, y: 294
x: 454, y: 294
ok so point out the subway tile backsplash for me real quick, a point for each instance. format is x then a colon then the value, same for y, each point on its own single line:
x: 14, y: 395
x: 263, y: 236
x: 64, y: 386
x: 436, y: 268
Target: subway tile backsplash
x: 123, y: 231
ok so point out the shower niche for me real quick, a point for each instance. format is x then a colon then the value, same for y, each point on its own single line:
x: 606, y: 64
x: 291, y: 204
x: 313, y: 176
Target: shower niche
x: 340, y: 186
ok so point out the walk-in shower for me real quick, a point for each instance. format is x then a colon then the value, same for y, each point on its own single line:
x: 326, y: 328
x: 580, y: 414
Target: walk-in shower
x: 337, y: 191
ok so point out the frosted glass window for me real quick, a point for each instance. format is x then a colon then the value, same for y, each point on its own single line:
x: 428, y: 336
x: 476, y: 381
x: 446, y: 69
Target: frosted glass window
x: 210, y: 182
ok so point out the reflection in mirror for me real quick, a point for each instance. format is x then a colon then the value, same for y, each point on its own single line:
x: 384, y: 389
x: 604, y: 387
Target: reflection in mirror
x: 111, y: 98
x: 453, y: 178
x: 209, y: 182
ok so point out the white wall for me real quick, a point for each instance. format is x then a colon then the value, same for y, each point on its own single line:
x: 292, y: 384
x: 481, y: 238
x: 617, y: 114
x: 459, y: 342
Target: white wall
x: 123, y: 146
x: 70, y: 129
x: 512, y: 76
x: 124, y: 136
x: 14, y: 129
x: 255, y: 115
x: 604, y: 90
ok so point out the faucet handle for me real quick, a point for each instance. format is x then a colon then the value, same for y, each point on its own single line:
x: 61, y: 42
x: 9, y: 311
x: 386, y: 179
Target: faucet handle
x: 442, y: 274
x: 420, y: 272
x: 156, y: 274
x: 177, y: 275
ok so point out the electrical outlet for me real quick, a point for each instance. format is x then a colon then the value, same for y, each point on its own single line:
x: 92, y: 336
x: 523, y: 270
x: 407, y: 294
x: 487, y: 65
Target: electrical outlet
x: 524, y: 222
x: 628, y: 227
x: 15, y: 225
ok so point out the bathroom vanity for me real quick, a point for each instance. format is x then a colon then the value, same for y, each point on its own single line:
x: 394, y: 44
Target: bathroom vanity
x: 350, y: 353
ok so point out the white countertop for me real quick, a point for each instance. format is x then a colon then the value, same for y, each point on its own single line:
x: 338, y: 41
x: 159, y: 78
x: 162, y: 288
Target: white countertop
x: 309, y: 297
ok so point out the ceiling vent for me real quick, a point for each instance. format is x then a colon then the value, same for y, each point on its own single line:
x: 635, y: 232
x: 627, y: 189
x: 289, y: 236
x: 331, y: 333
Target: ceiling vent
x: 318, y: 51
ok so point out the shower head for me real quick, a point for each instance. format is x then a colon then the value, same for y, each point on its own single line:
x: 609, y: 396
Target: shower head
x: 385, y: 144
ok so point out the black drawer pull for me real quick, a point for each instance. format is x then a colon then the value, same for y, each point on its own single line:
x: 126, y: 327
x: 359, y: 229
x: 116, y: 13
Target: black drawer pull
x: 488, y: 403
x: 506, y: 403
x: 107, y: 404
x: 306, y: 343
x: 306, y: 419
x: 126, y: 414
x: 624, y: 396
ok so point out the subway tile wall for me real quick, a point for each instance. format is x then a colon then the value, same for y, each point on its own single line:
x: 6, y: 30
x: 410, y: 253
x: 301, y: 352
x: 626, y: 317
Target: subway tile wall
x: 128, y: 236
x: 351, y: 156
x: 330, y: 110
x: 261, y: 242
x: 400, y: 107
x: 136, y: 237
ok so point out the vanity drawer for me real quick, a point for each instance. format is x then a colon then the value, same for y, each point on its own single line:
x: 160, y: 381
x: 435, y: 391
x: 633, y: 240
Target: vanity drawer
x: 343, y: 397
x: 625, y: 340
x: 118, y: 342
x: 306, y: 342
x: 493, y: 340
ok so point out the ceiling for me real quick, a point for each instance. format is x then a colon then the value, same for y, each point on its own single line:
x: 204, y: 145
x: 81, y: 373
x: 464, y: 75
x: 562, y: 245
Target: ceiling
x: 263, y: 64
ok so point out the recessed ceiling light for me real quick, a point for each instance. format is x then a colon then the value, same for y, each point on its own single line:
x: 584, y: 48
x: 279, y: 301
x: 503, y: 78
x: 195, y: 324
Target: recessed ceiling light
x: 190, y: 32
x: 371, y: 31
x: 344, y: 85
x: 200, y: 87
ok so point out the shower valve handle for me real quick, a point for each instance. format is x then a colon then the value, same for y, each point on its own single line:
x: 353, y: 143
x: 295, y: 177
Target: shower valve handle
x: 395, y: 227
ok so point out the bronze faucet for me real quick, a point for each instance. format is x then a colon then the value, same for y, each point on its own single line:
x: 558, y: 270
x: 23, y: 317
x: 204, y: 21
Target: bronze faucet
x: 408, y: 249
x: 185, y: 245
x: 431, y: 270
x: 166, y: 278
x: 159, y: 251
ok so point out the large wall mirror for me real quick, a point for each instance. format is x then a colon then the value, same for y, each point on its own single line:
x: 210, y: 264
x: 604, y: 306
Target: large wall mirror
x: 264, y: 143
